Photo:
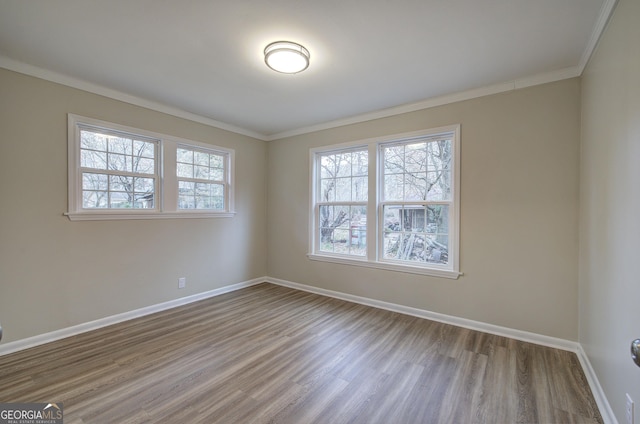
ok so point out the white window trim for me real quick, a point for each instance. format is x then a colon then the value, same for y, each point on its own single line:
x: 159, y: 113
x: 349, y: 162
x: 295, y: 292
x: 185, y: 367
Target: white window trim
x: 167, y: 186
x: 373, y: 258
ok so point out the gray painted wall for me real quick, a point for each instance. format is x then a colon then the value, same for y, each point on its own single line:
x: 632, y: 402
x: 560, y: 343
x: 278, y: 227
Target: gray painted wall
x: 610, y: 207
x: 519, y: 212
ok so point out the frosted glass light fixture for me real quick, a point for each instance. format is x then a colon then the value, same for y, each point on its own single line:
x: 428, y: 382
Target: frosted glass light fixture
x: 286, y: 57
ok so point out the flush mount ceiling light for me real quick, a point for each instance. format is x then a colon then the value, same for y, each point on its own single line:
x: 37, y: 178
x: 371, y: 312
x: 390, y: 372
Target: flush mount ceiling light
x: 286, y: 57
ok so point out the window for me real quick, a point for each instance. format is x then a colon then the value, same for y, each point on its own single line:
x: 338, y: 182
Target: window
x: 342, y: 206
x: 116, y: 172
x: 408, y: 187
x: 201, y: 179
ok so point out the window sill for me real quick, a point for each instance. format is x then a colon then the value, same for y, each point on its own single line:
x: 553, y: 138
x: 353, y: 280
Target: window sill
x: 433, y: 272
x: 113, y: 216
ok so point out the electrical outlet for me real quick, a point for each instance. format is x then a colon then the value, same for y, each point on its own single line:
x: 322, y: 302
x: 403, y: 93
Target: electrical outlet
x: 182, y: 282
x: 629, y: 409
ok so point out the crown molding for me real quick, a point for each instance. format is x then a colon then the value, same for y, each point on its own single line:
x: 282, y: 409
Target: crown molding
x: 45, y: 74
x: 601, y: 23
x: 538, y: 79
x: 543, y: 78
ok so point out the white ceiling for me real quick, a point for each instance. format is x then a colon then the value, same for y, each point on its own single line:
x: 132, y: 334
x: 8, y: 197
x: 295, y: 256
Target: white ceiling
x: 203, y: 58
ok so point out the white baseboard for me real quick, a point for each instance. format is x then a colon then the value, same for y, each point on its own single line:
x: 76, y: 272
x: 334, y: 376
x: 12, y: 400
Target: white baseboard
x: 598, y: 393
x: 434, y: 316
x: 594, y: 384
x: 596, y: 388
x: 40, y: 339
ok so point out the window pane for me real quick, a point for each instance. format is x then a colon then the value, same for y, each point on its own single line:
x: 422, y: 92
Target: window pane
x: 216, y: 161
x: 439, y: 185
x: 144, y: 166
x: 327, y: 166
x: 93, y: 141
x: 119, y: 163
x: 120, y: 145
x: 216, y: 174
x: 201, y: 172
x: 144, y: 201
x: 439, y: 155
x: 143, y: 185
x: 417, y: 233
x: 413, y: 218
x: 184, y: 155
x: 327, y: 220
x: 92, y: 181
x: 405, y: 247
x: 360, y: 163
x: 120, y: 200
x: 184, y: 170
x: 393, y: 159
x: 343, y: 229
x: 93, y: 159
x: 343, y: 189
x: 200, y: 158
x: 94, y: 199
x: 217, y: 189
x: 193, y: 195
x: 186, y: 188
x: 392, y: 218
x: 327, y: 190
x: 199, y: 165
x: 120, y: 183
x: 437, y: 250
x: 391, y: 245
x: 360, y: 189
x: 186, y: 202
x: 415, y: 157
x: 144, y: 149
x: 202, y: 202
x: 393, y: 187
x: 438, y: 219
x: 343, y: 165
x: 358, y: 231
x: 203, y: 189
x: 415, y: 187
x: 425, y: 168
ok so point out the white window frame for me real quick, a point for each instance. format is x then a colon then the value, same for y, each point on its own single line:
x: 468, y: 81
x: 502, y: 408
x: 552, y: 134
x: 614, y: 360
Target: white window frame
x: 337, y: 203
x: 375, y: 229
x: 166, y: 194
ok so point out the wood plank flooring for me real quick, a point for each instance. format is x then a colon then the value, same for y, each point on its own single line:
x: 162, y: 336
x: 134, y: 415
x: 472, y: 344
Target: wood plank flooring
x: 269, y: 354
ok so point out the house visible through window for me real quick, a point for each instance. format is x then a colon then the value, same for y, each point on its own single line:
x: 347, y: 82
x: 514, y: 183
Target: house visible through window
x: 400, y: 214
x: 416, y: 199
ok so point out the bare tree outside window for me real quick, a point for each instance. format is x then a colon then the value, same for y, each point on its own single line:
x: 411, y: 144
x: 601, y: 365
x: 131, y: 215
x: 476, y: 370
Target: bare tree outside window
x: 117, y: 171
x: 201, y: 179
x: 343, y: 192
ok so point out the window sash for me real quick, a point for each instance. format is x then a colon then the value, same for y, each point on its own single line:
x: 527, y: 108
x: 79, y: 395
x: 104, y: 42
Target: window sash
x: 203, y: 199
x: 127, y: 195
x: 346, y: 236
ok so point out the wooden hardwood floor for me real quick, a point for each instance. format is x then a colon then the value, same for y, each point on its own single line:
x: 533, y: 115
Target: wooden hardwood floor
x: 269, y: 354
